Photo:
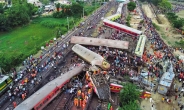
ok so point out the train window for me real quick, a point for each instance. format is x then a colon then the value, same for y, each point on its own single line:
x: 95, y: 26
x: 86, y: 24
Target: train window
x: 45, y: 101
x: 6, y: 81
x: 36, y: 108
x: 57, y: 89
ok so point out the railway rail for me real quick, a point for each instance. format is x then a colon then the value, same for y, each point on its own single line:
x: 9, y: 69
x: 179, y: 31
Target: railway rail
x: 51, y: 50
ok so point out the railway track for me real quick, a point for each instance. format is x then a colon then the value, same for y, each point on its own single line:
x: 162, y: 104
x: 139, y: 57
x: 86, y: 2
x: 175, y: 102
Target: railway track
x: 61, y: 103
x: 51, y: 50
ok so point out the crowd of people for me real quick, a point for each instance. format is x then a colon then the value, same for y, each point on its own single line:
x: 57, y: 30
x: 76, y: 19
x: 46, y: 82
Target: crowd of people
x: 177, y: 7
x: 121, y: 61
x: 34, y: 69
x: 31, y: 76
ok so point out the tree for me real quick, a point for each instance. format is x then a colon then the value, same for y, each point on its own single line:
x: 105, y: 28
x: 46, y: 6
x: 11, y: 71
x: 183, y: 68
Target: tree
x: 1, y: 8
x: 129, y: 94
x: 45, y: 1
x: 178, y: 23
x: 58, y: 6
x: 131, y: 6
x: 77, y: 9
x: 155, y: 2
x: 172, y: 16
x: 165, y: 5
x: 131, y: 106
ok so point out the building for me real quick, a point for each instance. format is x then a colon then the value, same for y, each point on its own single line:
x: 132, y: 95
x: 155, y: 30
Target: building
x: 166, y: 81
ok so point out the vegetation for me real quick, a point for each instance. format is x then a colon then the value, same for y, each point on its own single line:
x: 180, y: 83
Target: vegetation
x: 77, y: 9
x: 26, y: 39
x: 175, y: 20
x: 129, y: 97
x: 156, y: 26
x: 180, y: 43
x: 46, y: 1
x: 165, y: 5
x: 128, y: 20
x: 162, y: 4
x: 18, y: 15
x: 131, y: 6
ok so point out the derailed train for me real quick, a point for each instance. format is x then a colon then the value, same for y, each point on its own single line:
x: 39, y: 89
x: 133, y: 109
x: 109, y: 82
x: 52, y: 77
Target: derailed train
x: 47, y: 93
x: 91, y: 57
x: 108, y: 21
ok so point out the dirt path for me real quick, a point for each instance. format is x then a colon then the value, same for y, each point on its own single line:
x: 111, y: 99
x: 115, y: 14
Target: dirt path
x: 149, y: 13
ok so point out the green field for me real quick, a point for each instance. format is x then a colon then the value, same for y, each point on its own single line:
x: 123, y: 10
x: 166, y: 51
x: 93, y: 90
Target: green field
x: 21, y: 42
x: 27, y: 38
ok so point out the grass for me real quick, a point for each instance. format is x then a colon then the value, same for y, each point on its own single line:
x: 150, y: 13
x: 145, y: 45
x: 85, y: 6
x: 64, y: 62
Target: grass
x: 156, y: 26
x: 21, y: 42
x: 110, y: 12
x: 180, y: 14
x: 27, y: 38
x: 164, y: 37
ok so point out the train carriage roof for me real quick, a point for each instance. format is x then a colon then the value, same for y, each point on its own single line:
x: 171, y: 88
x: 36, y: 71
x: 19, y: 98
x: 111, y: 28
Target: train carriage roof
x: 3, y: 78
x: 119, y: 10
x: 100, y: 42
x: 123, y: 26
x: 34, y: 99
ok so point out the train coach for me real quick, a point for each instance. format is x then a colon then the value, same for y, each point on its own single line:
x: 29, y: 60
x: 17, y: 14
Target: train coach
x: 91, y: 57
x: 47, y: 93
x: 119, y: 10
x: 121, y: 5
x: 100, y: 42
x: 124, y: 28
x: 114, y: 17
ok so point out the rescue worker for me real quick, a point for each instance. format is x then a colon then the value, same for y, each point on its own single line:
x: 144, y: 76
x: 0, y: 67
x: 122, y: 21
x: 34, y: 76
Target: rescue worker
x: 14, y: 104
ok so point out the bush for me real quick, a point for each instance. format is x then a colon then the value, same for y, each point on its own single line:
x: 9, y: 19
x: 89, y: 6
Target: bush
x: 141, y: 21
x: 64, y: 30
x: 128, y: 24
x: 131, y: 6
x: 156, y: 26
x: 180, y: 43
x: 51, y: 24
x: 128, y: 18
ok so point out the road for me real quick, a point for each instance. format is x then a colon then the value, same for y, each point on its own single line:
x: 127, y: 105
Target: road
x: 45, y: 74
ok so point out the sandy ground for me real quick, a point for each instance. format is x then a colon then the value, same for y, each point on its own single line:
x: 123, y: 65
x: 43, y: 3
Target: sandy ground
x: 135, y: 19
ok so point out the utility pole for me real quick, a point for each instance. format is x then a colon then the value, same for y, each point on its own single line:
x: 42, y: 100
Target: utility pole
x: 83, y: 12
x: 73, y: 23
x: 68, y: 24
x: 0, y: 71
